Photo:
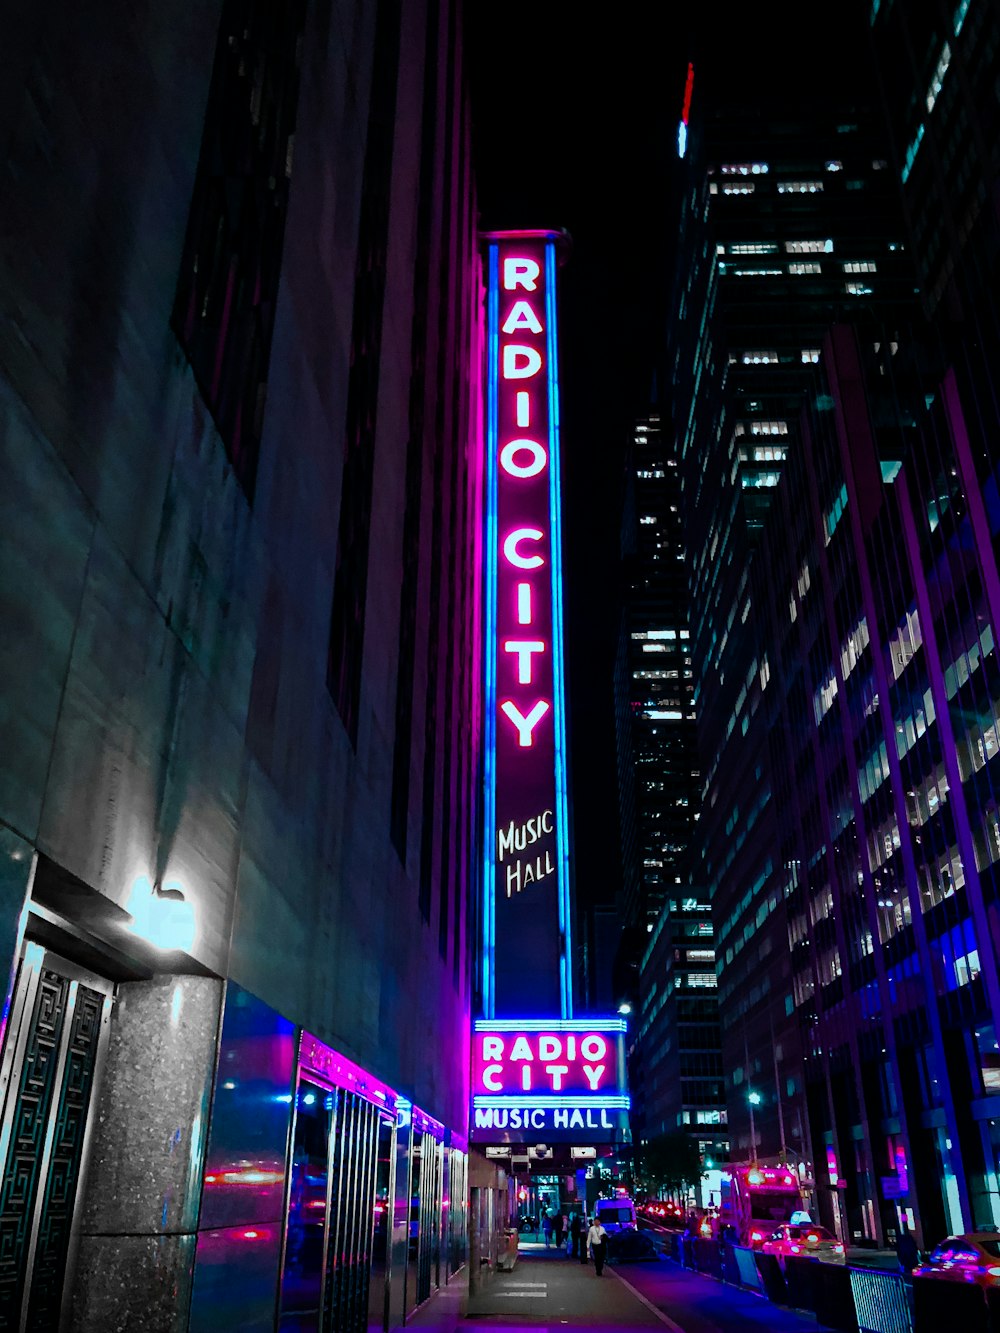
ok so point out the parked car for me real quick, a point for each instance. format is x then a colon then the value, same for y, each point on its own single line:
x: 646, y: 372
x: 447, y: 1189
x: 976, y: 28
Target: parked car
x: 971, y: 1258
x: 810, y: 1241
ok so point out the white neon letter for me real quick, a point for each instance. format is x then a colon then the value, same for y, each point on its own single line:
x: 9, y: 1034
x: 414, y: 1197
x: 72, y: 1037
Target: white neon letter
x: 513, y: 556
x: 490, y: 1079
x: 521, y: 317
x: 520, y: 273
x: 493, y: 1046
x: 524, y: 649
x: 524, y: 603
x: 521, y: 1050
x: 557, y: 1072
x: 530, y: 365
x: 539, y: 458
x: 525, y: 725
x: 526, y: 1078
x: 593, y: 1047
x: 549, y: 1048
x: 523, y: 409
x: 594, y: 1075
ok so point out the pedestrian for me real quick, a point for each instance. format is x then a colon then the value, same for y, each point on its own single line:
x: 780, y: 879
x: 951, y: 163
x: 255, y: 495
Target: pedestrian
x: 575, y: 1234
x: 558, y: 1227
x: 597, y: 1245
x: 547, y: 1226
x: 907, y: 1252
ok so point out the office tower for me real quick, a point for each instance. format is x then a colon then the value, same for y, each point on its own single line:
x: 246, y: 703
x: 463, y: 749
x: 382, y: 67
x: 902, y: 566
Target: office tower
x: 787, y: 223
x: 239, y: 772
x: 666, y: 963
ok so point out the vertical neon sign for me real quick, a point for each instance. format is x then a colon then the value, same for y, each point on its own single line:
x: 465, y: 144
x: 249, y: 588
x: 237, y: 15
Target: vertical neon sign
x: 526, y: 909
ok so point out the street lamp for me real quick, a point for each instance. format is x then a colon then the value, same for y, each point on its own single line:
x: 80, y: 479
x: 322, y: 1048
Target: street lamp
x: 753, y: 1099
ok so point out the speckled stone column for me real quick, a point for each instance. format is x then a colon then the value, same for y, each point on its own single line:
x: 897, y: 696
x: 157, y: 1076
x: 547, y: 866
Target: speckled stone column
x: 140, y: 1210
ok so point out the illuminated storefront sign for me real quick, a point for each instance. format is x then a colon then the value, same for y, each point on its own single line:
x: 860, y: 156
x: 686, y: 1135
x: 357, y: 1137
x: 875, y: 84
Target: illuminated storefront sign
x: 532, y: 1077
x: 526, y: 918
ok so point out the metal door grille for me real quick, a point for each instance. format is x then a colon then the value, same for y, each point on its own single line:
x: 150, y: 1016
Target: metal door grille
x: 55, y: 1041
x: 354, y: 1168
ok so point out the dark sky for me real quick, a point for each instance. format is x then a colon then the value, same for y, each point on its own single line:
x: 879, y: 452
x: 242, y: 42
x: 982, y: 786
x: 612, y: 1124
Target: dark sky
x: 575, y: 125
x: 576, y: 132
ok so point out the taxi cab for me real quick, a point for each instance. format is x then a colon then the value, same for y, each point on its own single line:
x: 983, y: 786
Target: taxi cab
x: 804, y: 1239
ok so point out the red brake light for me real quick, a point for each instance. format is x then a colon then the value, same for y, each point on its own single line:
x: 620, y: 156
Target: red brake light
x: 756, y: 1235
x: 795, y: 1249
x: 839, y: 1248
x: 812, y: 1238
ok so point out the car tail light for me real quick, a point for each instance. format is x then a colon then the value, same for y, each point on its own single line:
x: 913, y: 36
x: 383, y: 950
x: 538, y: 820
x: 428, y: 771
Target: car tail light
x: 812, y: 1238
x: 756, y: 1235
x: 839, y: 1248
x: 994, y: 1271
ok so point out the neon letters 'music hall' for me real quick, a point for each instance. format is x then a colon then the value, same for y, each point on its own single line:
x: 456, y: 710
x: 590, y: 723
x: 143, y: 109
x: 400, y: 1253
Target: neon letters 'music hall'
x: 526, y: 880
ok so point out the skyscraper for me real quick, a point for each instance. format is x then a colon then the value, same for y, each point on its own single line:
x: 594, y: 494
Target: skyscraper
x: 787, y: 223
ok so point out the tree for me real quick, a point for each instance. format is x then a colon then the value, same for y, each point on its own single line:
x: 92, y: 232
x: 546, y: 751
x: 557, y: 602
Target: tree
x: 671, y: 1161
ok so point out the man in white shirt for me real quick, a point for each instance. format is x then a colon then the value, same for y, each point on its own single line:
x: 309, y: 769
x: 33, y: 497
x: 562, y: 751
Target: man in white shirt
x: 597, y: 1245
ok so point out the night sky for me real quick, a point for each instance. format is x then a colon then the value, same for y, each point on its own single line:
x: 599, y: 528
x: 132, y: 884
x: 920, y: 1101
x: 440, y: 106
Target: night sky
x: 575, y: 126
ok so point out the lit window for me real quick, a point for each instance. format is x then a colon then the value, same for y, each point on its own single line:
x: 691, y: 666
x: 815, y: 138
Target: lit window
x: 800, y: 187
x: 810, y: 356
x: 857, y: 289
x: 768, y: 427
x: 859, y: 266
x: 754, y: 248
x: 758, y: 272
x: 747, y: 187
x: 799, y: 269
x: 810, y: 247
x: 745, y: 169
x: 938, y: 77
x: 760, y: 359
x: 647, y: 518
x: 911, y: 152
x: 835, y: 166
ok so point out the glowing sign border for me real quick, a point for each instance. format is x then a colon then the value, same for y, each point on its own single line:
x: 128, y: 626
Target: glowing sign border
x: 558, y: 666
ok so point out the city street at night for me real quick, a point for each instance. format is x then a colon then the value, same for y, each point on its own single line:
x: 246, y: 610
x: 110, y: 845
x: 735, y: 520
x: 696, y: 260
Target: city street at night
x: 499, y: 666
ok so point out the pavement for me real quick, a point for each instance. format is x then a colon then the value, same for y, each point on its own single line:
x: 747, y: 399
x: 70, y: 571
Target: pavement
x: 552, y: 1292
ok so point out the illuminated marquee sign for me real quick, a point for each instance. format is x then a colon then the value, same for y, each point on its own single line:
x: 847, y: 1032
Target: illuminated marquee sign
x: 526, y: 918
x: 534, y: 1080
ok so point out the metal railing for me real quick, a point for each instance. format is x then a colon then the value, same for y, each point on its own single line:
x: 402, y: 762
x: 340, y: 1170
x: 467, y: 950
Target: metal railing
x: 883, y: 1301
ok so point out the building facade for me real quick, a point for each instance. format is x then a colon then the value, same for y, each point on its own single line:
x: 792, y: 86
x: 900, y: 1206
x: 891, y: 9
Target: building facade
x: 239, y: 766
x: 852, y: 845
x: 789, y: 219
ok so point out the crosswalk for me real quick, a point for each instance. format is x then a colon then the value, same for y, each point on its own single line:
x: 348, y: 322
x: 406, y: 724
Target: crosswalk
x: 518, y: 1289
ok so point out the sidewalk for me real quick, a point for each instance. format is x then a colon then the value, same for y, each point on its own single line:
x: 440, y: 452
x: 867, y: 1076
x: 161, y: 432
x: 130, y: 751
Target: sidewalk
x: 543, y: 1291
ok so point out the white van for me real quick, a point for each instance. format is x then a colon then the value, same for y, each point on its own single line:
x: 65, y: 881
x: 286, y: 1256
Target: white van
x: 616, y: 1215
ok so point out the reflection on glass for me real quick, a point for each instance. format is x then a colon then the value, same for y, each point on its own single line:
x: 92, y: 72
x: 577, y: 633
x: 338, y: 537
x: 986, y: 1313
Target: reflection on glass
x: 245, y: 1163
x: 302, y: 1280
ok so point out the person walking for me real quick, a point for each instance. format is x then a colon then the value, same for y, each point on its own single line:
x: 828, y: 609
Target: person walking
x: 558, y: 1227
x: 547, y: 1227
x: 907, y: 1253
x: 575, y: 1235
x: 597, y: 1245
